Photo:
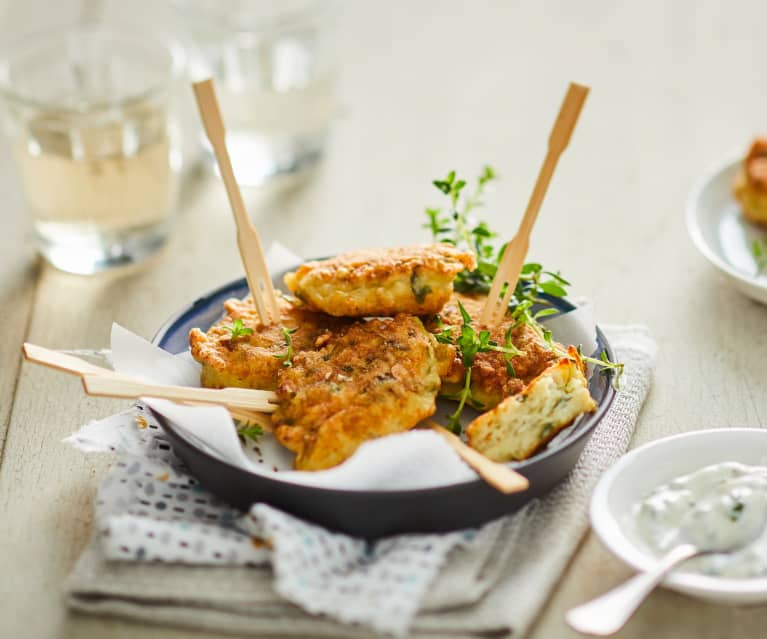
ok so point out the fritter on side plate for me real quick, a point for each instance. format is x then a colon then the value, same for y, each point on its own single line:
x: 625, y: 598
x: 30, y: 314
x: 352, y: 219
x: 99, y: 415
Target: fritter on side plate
x: 522, y: 424
x: 368, y: 379
x: 490, y: 382
x: 750, y: 185
x: 381, y: 282
x: 253, y: 361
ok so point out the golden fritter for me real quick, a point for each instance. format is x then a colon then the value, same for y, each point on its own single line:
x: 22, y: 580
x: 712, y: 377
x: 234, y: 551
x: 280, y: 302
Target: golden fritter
x: 253, y: 361
x: 750, y: 186
x: 490, y: 381
x: 369, y: 379
x: 520, y: 425
x: 381, y: 282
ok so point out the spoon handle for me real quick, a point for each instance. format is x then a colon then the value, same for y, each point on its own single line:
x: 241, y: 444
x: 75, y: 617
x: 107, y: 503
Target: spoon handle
x: 607, y: 614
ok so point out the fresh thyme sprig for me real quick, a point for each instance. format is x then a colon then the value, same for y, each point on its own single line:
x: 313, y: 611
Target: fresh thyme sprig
x: 456, y: 226
x: 470, y: 344
x: 251, y: 431
x: 605, y: 365
x: 287, y: 357
x: 759, y: 251
x: 237, y: 329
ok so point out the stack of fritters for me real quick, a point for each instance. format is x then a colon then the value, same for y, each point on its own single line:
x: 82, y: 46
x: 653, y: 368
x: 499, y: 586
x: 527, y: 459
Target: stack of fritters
x: 351, y: 380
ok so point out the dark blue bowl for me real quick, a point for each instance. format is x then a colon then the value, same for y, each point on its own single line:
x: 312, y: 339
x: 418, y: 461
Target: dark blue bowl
x: 375, y: 514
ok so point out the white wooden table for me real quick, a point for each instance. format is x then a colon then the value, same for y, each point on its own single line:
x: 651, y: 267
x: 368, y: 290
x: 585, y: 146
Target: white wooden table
x: 427, y: 87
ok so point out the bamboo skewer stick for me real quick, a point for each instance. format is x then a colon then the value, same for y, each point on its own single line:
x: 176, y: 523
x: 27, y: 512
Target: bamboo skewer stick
x: 61, y: 361
x: 516, y: 251
x: 237, y: 398
x: 248, y: 240
x: 499, y: 476
x: 247, y: 405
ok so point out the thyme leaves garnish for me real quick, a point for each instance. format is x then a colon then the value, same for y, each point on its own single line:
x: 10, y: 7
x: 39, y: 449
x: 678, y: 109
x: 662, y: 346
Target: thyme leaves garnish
x: 237, y: 329
x: 606, y: 366
x: 457, y: 226
x: 287, y: 357
x: 251, y: 431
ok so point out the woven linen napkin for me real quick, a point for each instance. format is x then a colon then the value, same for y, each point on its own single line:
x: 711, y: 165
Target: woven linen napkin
x: 262, y: 579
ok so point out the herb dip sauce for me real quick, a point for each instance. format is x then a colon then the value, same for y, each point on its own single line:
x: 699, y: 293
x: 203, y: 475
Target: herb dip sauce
x: 719, y: 507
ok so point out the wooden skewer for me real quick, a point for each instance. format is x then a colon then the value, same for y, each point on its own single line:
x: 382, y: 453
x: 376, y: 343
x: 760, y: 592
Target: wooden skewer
x: 499, y: 476
x: 62, y: 361
x: 516, y: 251
x: 238, y: 398
x: 75, y: 365
x: 248, y: 240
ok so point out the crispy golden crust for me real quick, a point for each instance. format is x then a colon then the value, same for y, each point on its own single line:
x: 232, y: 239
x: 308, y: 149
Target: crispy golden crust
x: 369, y: 379
x: 252, y: 361
x: 490, y: 382
x: 750, y: 185
x: 521, y: 425
x: 381, y: 282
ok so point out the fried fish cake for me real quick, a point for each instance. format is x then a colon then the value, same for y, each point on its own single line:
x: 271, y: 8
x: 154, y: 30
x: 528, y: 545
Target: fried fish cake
x: 253, y: 361
x: 369, y: 379
x: 750, y: 185
x: 490, y: 380
x: 521, y: 425
x: 381, y: 282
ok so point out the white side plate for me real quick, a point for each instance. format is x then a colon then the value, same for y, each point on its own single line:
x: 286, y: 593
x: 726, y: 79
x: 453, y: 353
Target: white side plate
x: 721, y: 233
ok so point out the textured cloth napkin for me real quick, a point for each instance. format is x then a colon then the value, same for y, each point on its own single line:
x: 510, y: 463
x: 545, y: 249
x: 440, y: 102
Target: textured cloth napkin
x: 266, y: 573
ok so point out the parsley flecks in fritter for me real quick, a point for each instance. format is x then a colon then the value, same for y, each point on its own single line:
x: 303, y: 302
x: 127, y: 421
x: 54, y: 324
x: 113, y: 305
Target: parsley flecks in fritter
x: 251, y: 356
x: 369, y: 379
x: 521, y: 425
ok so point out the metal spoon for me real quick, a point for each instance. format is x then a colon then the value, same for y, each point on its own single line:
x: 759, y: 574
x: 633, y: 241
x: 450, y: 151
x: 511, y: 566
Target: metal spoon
x: 608, y: 613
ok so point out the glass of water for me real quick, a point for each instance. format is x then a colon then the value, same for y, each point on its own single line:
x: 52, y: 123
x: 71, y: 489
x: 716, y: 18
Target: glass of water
x: 274, y: 80
x: 87, y: 113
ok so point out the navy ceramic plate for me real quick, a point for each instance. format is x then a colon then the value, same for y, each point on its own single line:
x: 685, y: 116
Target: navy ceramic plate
x: 374, y: 514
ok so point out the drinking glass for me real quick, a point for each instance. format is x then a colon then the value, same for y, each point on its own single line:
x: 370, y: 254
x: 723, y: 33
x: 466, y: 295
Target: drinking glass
x: 87, y: 112
x: 274, y: 80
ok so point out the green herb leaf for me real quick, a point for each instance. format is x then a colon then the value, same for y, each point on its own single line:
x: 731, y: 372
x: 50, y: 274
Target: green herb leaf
x: 607, y: 367
x: 736, y: 511
x: 531, y: 267
x: 418, y: 288
x: 464, y: 314
x: 557, y: 277
x: 552, y: 288
x: 251, y: 431
x: 237, y: 329
x: 287, y: 357
x: 759, y: 251
x: 545, y: 312
x: 445, y: 335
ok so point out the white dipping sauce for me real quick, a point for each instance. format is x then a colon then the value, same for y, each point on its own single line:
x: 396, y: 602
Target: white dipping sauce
x: 718, y: 507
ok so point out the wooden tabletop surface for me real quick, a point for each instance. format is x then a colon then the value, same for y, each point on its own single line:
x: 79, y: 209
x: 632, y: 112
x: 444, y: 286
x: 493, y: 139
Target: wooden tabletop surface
x: 426, y: 87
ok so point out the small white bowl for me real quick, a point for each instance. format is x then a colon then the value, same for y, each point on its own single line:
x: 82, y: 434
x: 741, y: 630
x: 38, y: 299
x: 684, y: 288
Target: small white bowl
x: 645, y: 468
x: 721, y: 233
